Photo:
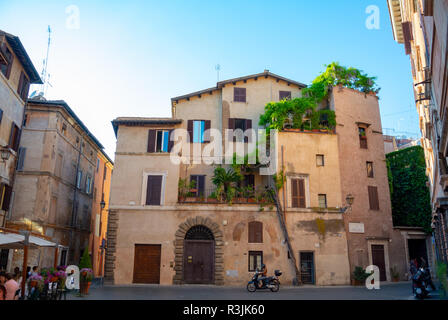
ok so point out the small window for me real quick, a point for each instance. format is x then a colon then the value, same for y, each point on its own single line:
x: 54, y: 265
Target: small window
x: 255, y: 260
x: 162, y: 140
x: 21, y: 158
x: 154, y: 190
x: 320, y: 160
x: 5, y: 68
x: 285, y: 95
x: 88, y: 184
x: 298, y: 193
x: 14, y: 137
x: 199, y: 185
x: 239, y: 94
x: 322, y: 201
x: 64, y: 129
x: 1, y: 115
x: 255, y: 232
x: 369, y: 169
x: 97, y: 164
x: 373, y: 198
x: 78, y: 180
x: 198, y: 131
x: 362, y: 137
x: 24, y: 86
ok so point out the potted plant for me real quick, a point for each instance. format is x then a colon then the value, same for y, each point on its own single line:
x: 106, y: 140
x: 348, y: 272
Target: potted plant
x: 213, y: 198
x: 86, y: 273
x: 394, y: 273
x: 35, y: 280
x: 359, y: 276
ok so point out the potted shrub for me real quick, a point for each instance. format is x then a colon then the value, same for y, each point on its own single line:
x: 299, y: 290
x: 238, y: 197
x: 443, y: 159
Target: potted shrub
x: 86, y: 273
x: 35, y: 280
x: 394, y: 273
x: 359, y: 276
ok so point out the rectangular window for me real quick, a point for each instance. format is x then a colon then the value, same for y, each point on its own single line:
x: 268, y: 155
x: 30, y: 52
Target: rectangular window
x: 14, y: 137
x: 97, y: 164
x: 88, y: 184
x: 242, y: 124
x: 320, y: 160
x: 255, y: 260
x: 369, y: 169
x: 198, y: 131
x: 373, y: 198
x: 362, y: 137
x: 24, y: 86
x: 159, y: 141
x: 239, y: 94
x: 255, y: 232
x: 6, y: 66
x: 199, y: 185
x: 322, y: 201
x: 154, y: 190
x: 104, y: 172
x: 21, y: 158
x: 79, y: 179
x: 248, y: 180
x: 298, y: 193
x: 5, y: 196
x: 285, y: 95
x: 1, y: 115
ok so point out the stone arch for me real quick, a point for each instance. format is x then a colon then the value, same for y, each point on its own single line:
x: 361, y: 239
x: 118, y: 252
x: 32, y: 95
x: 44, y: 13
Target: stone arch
x: 179, y: 248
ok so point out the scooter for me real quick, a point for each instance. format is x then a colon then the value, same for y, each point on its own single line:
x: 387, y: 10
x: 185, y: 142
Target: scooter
x: 271, y: 283
x: 422, y: 283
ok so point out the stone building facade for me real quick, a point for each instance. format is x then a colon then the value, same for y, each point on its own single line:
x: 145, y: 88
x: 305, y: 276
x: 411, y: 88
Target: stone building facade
x: 156, y: 234
x: 422, y: 26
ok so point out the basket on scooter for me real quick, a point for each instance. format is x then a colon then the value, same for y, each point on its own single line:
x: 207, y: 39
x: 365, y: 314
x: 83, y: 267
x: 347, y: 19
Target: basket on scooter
x: 278, y: 273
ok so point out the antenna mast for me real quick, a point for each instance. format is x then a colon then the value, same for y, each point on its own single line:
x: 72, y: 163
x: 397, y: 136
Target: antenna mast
x: 217, y: 68
x: 45, y: 66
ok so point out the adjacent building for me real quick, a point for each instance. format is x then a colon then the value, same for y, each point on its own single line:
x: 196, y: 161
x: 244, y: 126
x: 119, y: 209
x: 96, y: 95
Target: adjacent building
x: 158, y: 233
x: 17, y: 72
x: 422, y: 26
x: 62, y: 174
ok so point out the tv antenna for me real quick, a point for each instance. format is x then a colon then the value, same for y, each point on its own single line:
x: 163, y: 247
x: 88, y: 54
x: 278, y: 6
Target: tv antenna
x: 217, y: 68
x: 45, y: 76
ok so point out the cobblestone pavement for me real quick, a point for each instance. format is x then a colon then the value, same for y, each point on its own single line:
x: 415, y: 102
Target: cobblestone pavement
x: 388, y: 291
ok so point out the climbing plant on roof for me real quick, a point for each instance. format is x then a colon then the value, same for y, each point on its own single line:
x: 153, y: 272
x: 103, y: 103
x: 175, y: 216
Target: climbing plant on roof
x: 297, y: 110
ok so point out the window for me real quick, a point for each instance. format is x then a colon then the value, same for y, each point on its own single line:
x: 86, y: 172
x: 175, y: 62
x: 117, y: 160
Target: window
x: 255, y: 232
x: 239, y: 94
x: 64, y: 128
x: 248, y: 181
x: 79, y: 179
x: 243, y: 124
x: 159, y: 141
x: 104, y: 172
x: 21, y: 158
x: 88, y: 184
x: 24, y: 86
x: 362, y: 137
x: 322, y: 201
x: 373, y: 198
x: 198, y: 131
x: 154, y: 190
x: 1, y: 115
x: 369, y: 169
x: 298, y: 193
x: 285, y: 95
x: 5, y: 67
x: 199, y: 186
x: 255, y: 260
x: 320, y: 160
x: 97, y: 164
x: 14, y: 137
x: 5, y: 196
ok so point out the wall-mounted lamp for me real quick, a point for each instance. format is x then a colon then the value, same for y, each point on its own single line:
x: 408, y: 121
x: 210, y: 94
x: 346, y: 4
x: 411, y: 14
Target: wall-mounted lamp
x: 5, y: 154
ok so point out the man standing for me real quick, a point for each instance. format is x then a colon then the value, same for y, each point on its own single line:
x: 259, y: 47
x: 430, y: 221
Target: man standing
x: 11, y: 287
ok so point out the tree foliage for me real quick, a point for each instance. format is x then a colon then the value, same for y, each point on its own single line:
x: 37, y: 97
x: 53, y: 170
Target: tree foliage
x: 85, y: 262
x: 409, y: 191
x: 306, y: 107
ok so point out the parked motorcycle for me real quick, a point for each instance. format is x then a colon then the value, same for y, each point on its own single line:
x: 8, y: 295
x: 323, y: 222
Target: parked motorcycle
x: 271, y: 283
x: 422, y: 283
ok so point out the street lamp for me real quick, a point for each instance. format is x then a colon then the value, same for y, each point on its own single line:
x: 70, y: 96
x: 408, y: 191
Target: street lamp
x: 5, y: 154
x: 349, y: 199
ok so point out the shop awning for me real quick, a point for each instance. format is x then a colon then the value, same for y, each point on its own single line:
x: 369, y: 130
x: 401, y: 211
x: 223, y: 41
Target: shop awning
x: 16, y: 241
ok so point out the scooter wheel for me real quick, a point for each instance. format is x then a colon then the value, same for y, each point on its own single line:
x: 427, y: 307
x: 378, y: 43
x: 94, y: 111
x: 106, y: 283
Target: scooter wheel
x: 251, y: 287
x: 276, y: 286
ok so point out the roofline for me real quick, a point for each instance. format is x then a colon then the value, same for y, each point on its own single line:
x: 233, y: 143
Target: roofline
x: 141, y: 121
x: 221, y: 84
x: 62, y: 103
x: 21, y: 53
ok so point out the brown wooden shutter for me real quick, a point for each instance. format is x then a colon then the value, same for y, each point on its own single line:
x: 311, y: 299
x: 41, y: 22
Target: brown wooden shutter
x: 8, y: 71
x: 20, y: 87
x: 151, y: 141
x: 190, y: 130
x: 302, y: 200
x: 207, y: 126
x: 255, y: 232
x: 14, y: 137
x: 248, y: 126
x: 26, y: 88
x: 239, y: 94
x: 251, y: 233
x: 170, y: 142
x: 408, y: 36
x: 373, y: 198
x: 295, y: 193
x: 6, y: 198
x: 154, y: 190
x: 231, y: 127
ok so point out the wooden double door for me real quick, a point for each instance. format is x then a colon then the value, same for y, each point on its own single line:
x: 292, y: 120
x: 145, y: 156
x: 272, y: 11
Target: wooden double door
x: 199, y: 261
x: 378, y: 259
x: 147, y: 263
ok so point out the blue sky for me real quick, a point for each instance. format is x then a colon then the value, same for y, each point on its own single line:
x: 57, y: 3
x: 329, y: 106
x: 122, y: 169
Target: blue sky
x: 128, y: 58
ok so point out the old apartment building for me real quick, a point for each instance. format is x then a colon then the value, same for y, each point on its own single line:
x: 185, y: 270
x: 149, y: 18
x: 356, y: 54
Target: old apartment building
x: 63, y: 175
x: 158, y: 234
x: 422, y: 26
x: 16, y: 74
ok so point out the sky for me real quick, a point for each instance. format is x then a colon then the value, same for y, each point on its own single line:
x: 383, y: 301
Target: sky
x: 111, y: 59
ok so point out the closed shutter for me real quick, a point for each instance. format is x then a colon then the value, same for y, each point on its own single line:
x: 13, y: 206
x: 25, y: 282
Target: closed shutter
x: 298, y: 193
x: 21, y: 160
x: 190, y: 130
x: 14, y: 137
x: 154, y: 190
x: 231, y: 127
x: 201, y: 186
x: 207, y: 126
x: 152, y: 141
x: 248, y: 126
x: 239, y: 94
x: 373, y: 198
x: 302, y: 202
x: 1, y: 115
x: 6, y: 197
x: 20, y: 87
x: 408, y: 37
x: 255, y: 232
x: 170, y: 142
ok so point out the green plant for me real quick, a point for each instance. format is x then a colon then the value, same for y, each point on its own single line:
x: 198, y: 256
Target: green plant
x: 226, y: 181
x: 359, y: 274
x: 394, y: 272
x: 442, y: 276
x: 85, y: 262
x: 279, y: 180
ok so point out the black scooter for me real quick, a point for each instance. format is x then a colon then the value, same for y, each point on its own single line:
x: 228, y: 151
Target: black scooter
x: 422, y: 283
x: 271, y: 283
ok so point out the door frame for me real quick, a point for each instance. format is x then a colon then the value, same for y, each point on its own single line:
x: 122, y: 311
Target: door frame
x: 313, y: 267
x: 385, y: 244
x: 213, y: 258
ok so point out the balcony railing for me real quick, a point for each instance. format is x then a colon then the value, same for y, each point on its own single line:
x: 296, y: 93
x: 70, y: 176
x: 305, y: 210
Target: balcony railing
x: 260, y: 195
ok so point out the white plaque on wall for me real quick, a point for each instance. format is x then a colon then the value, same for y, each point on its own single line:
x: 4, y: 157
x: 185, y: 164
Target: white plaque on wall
x: 356, y: 227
